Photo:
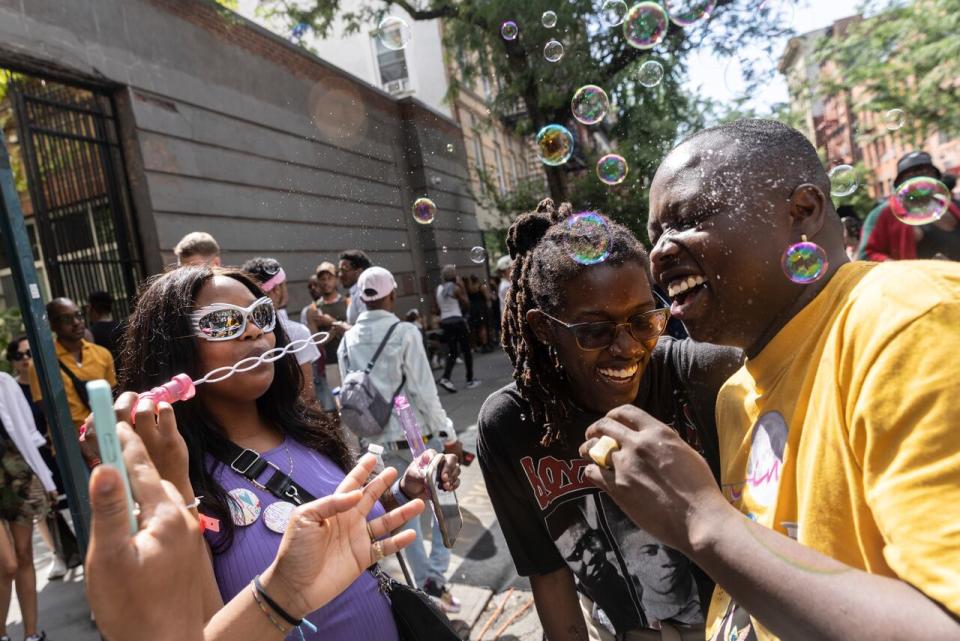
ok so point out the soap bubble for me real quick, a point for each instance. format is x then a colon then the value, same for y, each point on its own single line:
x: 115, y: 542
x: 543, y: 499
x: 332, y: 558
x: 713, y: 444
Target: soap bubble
x: 478, y: 255
x: 394, y: 32
x: 509, y: 30
x: 450, y: 148
x: 589, y: 104
x: 587, y: 238
x: 612, y: 169
x: 553, y: 51
x: 804, y: 262
x: 554, y: 145
x: 299, y: 30
x: 645, y: 25
x: 894, y: 119
x: 424, y: 211
x: 843, y: 180
x: 684, y: 13
x: 650, y: 74
x: 920, y: 201
x: 735, y: 77
x: 613, y: 12
x: 548, y: 19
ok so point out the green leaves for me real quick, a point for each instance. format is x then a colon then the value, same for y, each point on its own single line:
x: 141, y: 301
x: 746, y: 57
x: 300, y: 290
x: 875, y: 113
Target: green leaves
x: 901, y: 57
x: 528, y: 92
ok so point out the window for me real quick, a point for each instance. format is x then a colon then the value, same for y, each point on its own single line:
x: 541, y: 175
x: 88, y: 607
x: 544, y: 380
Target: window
x: 501, y: 181
x: 479, y: 161
x: 487, y: 93
x: 392, y: 64
x: 514, y: 176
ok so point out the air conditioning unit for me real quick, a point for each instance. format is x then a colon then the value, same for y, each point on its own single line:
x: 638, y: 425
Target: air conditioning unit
x: 395, y: 87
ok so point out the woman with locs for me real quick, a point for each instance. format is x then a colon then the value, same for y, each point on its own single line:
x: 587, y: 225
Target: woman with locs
x: 583, y: 339
x: 194, y: 320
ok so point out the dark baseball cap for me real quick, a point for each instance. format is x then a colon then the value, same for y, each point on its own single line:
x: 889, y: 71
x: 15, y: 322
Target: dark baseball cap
x: 913, y: 160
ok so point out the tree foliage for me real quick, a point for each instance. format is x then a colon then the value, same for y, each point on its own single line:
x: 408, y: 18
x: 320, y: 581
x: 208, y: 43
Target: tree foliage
x: 645, y: 122
x: 901, y: 56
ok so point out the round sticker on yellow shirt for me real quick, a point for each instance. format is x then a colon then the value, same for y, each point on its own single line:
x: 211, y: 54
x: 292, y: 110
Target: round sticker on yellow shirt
x: 765, y: 463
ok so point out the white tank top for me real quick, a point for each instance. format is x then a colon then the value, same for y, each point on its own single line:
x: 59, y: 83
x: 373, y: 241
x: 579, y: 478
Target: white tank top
x: 447, y: 302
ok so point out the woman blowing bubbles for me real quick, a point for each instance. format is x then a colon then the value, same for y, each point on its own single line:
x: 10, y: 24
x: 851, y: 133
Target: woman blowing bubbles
x: 194, y: 320
x: 583, y: 339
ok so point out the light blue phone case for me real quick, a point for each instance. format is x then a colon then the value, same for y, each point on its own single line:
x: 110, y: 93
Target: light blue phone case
x: 105, y: 423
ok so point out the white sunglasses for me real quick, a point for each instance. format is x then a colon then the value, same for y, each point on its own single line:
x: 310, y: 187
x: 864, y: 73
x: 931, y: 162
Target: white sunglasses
x: 224, y: 322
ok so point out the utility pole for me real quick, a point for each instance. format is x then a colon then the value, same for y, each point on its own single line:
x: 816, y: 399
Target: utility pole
x: 16, y: 246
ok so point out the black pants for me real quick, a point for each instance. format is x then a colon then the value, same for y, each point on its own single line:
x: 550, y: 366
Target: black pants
x: 456, y: 335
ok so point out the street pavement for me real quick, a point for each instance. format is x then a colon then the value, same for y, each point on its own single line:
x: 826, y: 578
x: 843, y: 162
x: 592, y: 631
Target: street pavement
x: 495, y: 600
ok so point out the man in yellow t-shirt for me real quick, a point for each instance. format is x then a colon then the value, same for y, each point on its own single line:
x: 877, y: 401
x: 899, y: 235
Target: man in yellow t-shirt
x: 839, y: 512
x: 86, y: 361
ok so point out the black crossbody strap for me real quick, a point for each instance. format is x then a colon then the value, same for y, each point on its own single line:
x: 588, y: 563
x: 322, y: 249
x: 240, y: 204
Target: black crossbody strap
x: 250, y: 464
x: 383, y: 344
x: 77, y: 385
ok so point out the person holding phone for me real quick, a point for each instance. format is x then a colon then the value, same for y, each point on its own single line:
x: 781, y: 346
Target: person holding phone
x: 244, y: 431
x: 584, y: 338
x: 135, y: 582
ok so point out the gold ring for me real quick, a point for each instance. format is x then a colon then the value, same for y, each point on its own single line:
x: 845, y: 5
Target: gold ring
x: 370, y: 532
x: 377, y: 551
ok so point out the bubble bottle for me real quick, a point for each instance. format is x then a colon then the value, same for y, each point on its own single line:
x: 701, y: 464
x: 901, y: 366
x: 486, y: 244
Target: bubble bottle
x: 411, y: 428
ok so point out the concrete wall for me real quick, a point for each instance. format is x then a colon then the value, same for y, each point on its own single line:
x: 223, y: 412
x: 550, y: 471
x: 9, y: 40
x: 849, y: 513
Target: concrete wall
x: 234, y: 131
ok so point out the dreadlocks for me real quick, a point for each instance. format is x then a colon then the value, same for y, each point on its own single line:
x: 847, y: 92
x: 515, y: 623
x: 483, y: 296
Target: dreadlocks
x: 536, y: 242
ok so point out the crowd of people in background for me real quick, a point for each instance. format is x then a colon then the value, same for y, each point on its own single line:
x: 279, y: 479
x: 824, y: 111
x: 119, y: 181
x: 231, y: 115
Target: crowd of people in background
x: 883, y: 237
x: 88, y: 345
x: 573, y: 366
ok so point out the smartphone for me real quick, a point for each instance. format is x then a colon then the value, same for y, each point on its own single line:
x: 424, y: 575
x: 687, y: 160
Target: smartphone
x: 105, y: 422
x: 445, y: 504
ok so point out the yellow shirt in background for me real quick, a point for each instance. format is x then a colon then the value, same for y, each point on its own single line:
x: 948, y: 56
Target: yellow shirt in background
x: 844, y: 432
x: 96, y: 363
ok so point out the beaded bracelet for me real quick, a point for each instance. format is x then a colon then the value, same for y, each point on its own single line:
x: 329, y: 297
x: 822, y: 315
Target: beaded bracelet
x: 263, y: 608
x: 293, y: 621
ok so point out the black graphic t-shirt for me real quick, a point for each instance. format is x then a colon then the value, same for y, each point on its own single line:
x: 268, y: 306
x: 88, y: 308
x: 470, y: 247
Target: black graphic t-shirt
x: 552, y: 517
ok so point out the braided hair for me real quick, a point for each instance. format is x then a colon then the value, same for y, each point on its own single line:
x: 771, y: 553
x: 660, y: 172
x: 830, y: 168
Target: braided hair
x: 541, y: 264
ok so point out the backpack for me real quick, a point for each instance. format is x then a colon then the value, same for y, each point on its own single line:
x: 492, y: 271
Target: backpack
x: 363, y: 410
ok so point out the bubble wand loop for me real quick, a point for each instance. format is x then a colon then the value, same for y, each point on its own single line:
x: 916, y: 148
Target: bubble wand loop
x: 182, y: 388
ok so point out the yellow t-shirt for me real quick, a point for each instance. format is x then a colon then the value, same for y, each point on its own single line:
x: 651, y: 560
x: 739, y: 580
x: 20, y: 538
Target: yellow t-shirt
x: 843, y: 432
x: 96, y: 363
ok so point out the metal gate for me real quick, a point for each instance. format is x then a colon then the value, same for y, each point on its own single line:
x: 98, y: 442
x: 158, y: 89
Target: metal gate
x: 77, y: 185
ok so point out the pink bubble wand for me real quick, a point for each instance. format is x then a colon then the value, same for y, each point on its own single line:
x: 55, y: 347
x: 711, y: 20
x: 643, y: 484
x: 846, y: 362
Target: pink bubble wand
x: 181, y: 387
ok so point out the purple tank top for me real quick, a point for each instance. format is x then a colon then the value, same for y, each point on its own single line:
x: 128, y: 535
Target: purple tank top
x: 359, y: 612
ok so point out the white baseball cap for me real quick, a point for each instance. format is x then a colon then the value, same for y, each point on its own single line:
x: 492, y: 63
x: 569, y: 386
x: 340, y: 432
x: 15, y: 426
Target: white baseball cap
x: 375, y: 283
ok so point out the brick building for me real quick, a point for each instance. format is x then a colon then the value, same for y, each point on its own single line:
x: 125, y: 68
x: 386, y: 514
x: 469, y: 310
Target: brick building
x: 842, y: 134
